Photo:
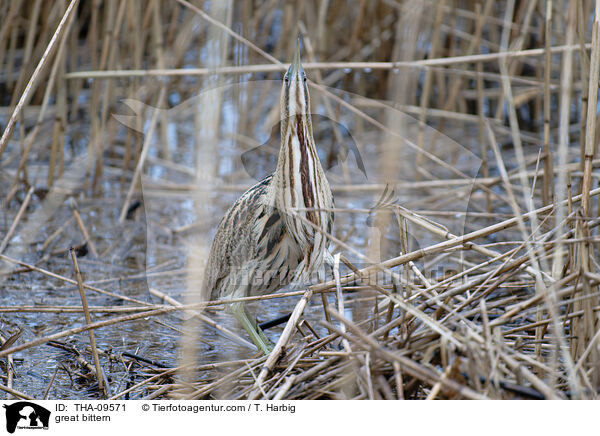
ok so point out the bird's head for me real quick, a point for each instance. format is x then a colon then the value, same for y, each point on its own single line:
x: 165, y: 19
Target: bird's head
x: 294, y: 93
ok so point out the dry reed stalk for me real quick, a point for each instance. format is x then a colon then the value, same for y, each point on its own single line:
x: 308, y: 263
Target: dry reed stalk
x: 28, y: 49
x: 29, y: 141
x: 10, y: 369
x: 288, y: 331
x: 278, y: 66
x: 56, y: 233
x: 58, y: 34
x: 84, y: 232
x: 16, y: 221
x: 435, y: 38
x: 230, y: 32
x: 88, y: 320
x: 205, y: 319
x: 58, y: 133
x: 451, y: 100
x: 50, y: 383
x: 585, y: 328
x: 584, y: 68
x: 160, y: 62
x: 517, y: 43
x: 68, y: 280
x: 75, y: 309
x: 561, y: 193
x: 512, y: 115
x: 15, y: 393
x: 140, y: 163
x: 480, y: 109
x: 6, y: 27
x: 590, y: 123
x: 340, y: 297
x: 94, y: 325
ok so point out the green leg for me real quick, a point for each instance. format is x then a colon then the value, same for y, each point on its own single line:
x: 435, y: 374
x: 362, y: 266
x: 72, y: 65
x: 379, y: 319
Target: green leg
x: 256, y: 334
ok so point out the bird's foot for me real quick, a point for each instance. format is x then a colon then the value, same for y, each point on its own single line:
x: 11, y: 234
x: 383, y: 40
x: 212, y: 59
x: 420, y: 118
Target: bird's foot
x: 261, y: 341
x: 266, y: 346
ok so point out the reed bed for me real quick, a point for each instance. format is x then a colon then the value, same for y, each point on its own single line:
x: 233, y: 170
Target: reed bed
x: 461, y: 141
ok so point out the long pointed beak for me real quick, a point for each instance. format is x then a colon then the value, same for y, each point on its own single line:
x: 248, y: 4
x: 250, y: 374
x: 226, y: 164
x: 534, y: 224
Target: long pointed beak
x: 296, y: 65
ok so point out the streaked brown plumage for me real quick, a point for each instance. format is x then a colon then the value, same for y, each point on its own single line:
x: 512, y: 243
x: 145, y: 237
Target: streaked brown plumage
x: 273, y: 234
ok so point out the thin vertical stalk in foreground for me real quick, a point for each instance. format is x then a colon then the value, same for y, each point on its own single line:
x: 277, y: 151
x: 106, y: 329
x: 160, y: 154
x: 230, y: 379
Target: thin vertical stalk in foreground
x: 590, y: 130
x: 585, y: 328
x: 518, y: 145
x: 548, y: 171
x: 88, y: 321
x: 563, y: 144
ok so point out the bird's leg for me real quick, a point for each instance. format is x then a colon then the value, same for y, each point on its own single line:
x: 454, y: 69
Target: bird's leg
x: 256, y: 334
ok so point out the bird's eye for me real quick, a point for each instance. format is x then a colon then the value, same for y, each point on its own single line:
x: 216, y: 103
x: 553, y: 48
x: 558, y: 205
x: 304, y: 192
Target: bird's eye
x: 286, y: 79
x: 305, y: 78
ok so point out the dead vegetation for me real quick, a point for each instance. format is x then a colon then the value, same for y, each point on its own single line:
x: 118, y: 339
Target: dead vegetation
x: 476, y: 122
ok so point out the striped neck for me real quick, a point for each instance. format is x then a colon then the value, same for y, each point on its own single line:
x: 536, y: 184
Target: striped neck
x: 299, y: 173
x: 299, y: 190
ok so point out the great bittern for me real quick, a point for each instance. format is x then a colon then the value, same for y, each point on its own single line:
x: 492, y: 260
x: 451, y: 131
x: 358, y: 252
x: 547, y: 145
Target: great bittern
x: 274, y: 234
